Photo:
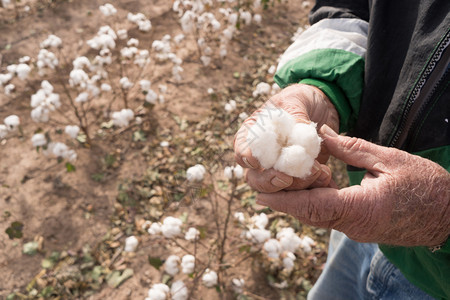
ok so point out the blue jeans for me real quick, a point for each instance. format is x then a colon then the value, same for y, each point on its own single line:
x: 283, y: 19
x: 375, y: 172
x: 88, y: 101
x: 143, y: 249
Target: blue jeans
x: 361, y: 271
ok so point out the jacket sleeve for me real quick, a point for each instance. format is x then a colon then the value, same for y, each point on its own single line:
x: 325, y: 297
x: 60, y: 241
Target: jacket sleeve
x: 330, y: 55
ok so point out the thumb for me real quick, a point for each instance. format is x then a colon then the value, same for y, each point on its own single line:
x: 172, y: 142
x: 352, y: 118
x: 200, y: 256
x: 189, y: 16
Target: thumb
x: 353, y: 151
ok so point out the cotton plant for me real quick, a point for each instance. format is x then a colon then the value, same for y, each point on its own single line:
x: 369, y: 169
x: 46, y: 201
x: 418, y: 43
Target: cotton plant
x: 209, y: 278
x: 10, y: 124
x: 278, y: 142
x: 236, y: 172
x: 195, y: 173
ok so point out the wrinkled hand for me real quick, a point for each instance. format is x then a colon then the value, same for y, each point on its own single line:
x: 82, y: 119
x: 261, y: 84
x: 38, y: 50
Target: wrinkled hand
x: 306, y: 103
x: 403, y: 199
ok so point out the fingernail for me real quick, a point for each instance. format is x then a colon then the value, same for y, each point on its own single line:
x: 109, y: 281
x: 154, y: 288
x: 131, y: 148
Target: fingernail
x: 278, y: 182
x: 247, y: 163
x: 326, y: 130
x: 261, y: 202
x: 324, y: 175
x: 316, y: 167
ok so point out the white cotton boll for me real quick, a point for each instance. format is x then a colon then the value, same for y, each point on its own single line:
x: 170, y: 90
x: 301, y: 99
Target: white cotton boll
x: 243, y: 116
x: 273, y: 248
x: 192, y: 234
x: 38, y: 140
x: 108, y: 31
x: 195, y: 173
x: 3, y: 131
x: 46, y: 87
x: 71, y: 155
x: 25, y: 59
x: 294, y: 161
x: 155, y: 228
x: 133, y: 42
x: 275, y: 88
x: 6, y: 3
x: 38, y: 98
x: 260, y: 220
x: 238, y: 172
x: 78, y: 77
x: 22, y: 71
x: 11, y: 69
x: 72, y: 131
x: 144, y: 25
x: 105, y: 87
x: 272, y: 70
x: 210, y: 91
x: 125, y: 83
x: 5, y: 78
x: 51, y: 41
x: 262, y: 88
x: 306, y: 4
x: 246, y: 16
x: 59, y: 149
x: 81, y: 62
x: 239, y: 216
x: 122, y: 34
x: 209, y: 278
x: 171, y: 227
x: 108, y: 9
x: 164, y: 144
x: 206, y: 60
x: 171, y: 265
x: 258, y: 235
x: 264, y: 145
x: 9, y: 88
x: 306, y: 135
x: 136, y: 17
x: 12, y: 122
x: 288, y: 239
x: 131, y: 244
x: 40, y: 114
x: 179, y: 291
x: 128, y: 52
x: 230, y: 106
x: 82, y: 97
x: 238, y: 285
x: 227, y: 34
x: 145, y: 84
x: 228, y: 172
x: 159, y: 291
x: 223, y: 52
x: 187, y: 21
x: 122, y: 118
x: 306, y: 243
x: 178, y: 38
x: 289, y: 261
x: 151, y: 96
x: 53, y: 102
x: 188, y: 264
x: 257, y: 18
x: 232, y: 19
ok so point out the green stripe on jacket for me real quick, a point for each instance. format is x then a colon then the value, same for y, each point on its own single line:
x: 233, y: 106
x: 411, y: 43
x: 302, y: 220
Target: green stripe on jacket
x: 338, y: 73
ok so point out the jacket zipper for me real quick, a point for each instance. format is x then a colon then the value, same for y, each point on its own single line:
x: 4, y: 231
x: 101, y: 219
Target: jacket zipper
x: 421, y: 94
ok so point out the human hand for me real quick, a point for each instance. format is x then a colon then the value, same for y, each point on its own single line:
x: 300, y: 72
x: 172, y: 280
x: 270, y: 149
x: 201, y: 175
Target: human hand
x: 306, y: 104
x: 403, y: 199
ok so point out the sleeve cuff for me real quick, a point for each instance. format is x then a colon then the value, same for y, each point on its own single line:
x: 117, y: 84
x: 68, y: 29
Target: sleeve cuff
x: 336, y: 96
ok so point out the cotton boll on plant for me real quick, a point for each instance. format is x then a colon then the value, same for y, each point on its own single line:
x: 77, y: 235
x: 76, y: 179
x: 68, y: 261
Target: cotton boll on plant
x: 171, y: 227
x: 179, y: 291
x: 171, y: 265
x: 3, y: 131
x: 72, y: 131
x: 12, y: 122
x: 131, y: 244
x: 209, y: 278
x: 195, y: 173
x: 192, y: 234
x: 159, y: 291
x: 38, y: 140
x: 280, y: 143
x: 188, y: 264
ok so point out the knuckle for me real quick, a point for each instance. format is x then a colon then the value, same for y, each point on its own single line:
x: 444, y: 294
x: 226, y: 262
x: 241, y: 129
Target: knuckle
x: 354, y: 144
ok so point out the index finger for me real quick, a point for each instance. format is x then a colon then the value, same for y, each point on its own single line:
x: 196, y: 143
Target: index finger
x: 242, y: 152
